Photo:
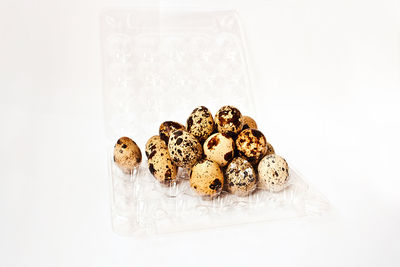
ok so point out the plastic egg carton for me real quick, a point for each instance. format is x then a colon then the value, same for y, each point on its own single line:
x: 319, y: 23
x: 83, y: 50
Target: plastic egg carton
x: 158, y: 65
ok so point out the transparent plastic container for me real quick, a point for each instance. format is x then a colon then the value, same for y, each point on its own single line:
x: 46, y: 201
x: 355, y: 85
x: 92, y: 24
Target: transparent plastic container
x: 158, y: 65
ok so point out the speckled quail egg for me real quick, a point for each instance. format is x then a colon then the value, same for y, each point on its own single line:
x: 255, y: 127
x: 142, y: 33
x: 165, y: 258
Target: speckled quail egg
x: 229, y: 120
x: 167, y: 127
x: 200, y: 123
x: 185, y: 150
x: 273, y: 173
x: 240, y: 177
x: 161, y: 166
x: 248, y: 122
x: 159, y: 160
x: 127, y: 154
x: 270, y: 149
x: 154, y: 143
x: 206, y: 178
x: 219, y: 148
x: 251, y: 143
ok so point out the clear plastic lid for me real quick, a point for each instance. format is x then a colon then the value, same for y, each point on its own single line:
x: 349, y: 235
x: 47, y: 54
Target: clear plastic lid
x: 158, y: 65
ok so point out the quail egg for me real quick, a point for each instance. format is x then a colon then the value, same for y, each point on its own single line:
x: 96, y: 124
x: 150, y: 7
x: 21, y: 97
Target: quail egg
x: 273, y: 172
x: 270, y: 149
x: 159, y: 160
x: 240, y: 177
x: 248, y: 122
x: 167, y: 127
x: 206, y: 178
x: 127, y: 154
x: 154, y: 143
x: 185, y: 150
x: 251, y: 143
x: 161, y: 166
x: 200, y: 123
x: 219, y: 148
x: 229, y: 120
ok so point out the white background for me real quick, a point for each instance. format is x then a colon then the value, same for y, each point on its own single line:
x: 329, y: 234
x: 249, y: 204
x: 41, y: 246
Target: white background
x: 327, y: 75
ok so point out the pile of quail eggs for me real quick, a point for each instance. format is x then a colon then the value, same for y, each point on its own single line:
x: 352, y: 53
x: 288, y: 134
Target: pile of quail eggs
x: 226, y: 151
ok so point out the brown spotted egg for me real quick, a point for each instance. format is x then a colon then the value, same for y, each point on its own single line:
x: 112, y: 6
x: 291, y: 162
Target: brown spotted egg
x: 273, y: 173
x: 161, y: 166
x: 240, y: 177
x: 167, y: 127
x: 219, y: 148
x: 127, y: 154
x: 248, y: 122
x: 206, y: 178
x: 154, y: 143
x: 270, y: 149
x: 200, y: 123
x: 159, y: 160
x: 252, y: 145
x: 185, y: 150
x: 229, y: 120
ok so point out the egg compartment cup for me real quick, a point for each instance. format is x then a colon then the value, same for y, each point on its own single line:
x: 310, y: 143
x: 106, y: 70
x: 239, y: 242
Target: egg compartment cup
x: 158, y: 65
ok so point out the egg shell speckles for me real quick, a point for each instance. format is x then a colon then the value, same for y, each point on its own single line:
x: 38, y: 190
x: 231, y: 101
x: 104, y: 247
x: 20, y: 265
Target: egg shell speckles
x: 200, y: 123
x: 240, y: 177
x: 219, y: 148
x: 251, y: 143
x: 273, y: 172
x: 229, y: 120
x: 167, y: 127
x: 127, y: 154
x: 161, y: 166
x: 154, y: 143
x: 206, y: 178
x: 185, y: 150
x: 249, y: 123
